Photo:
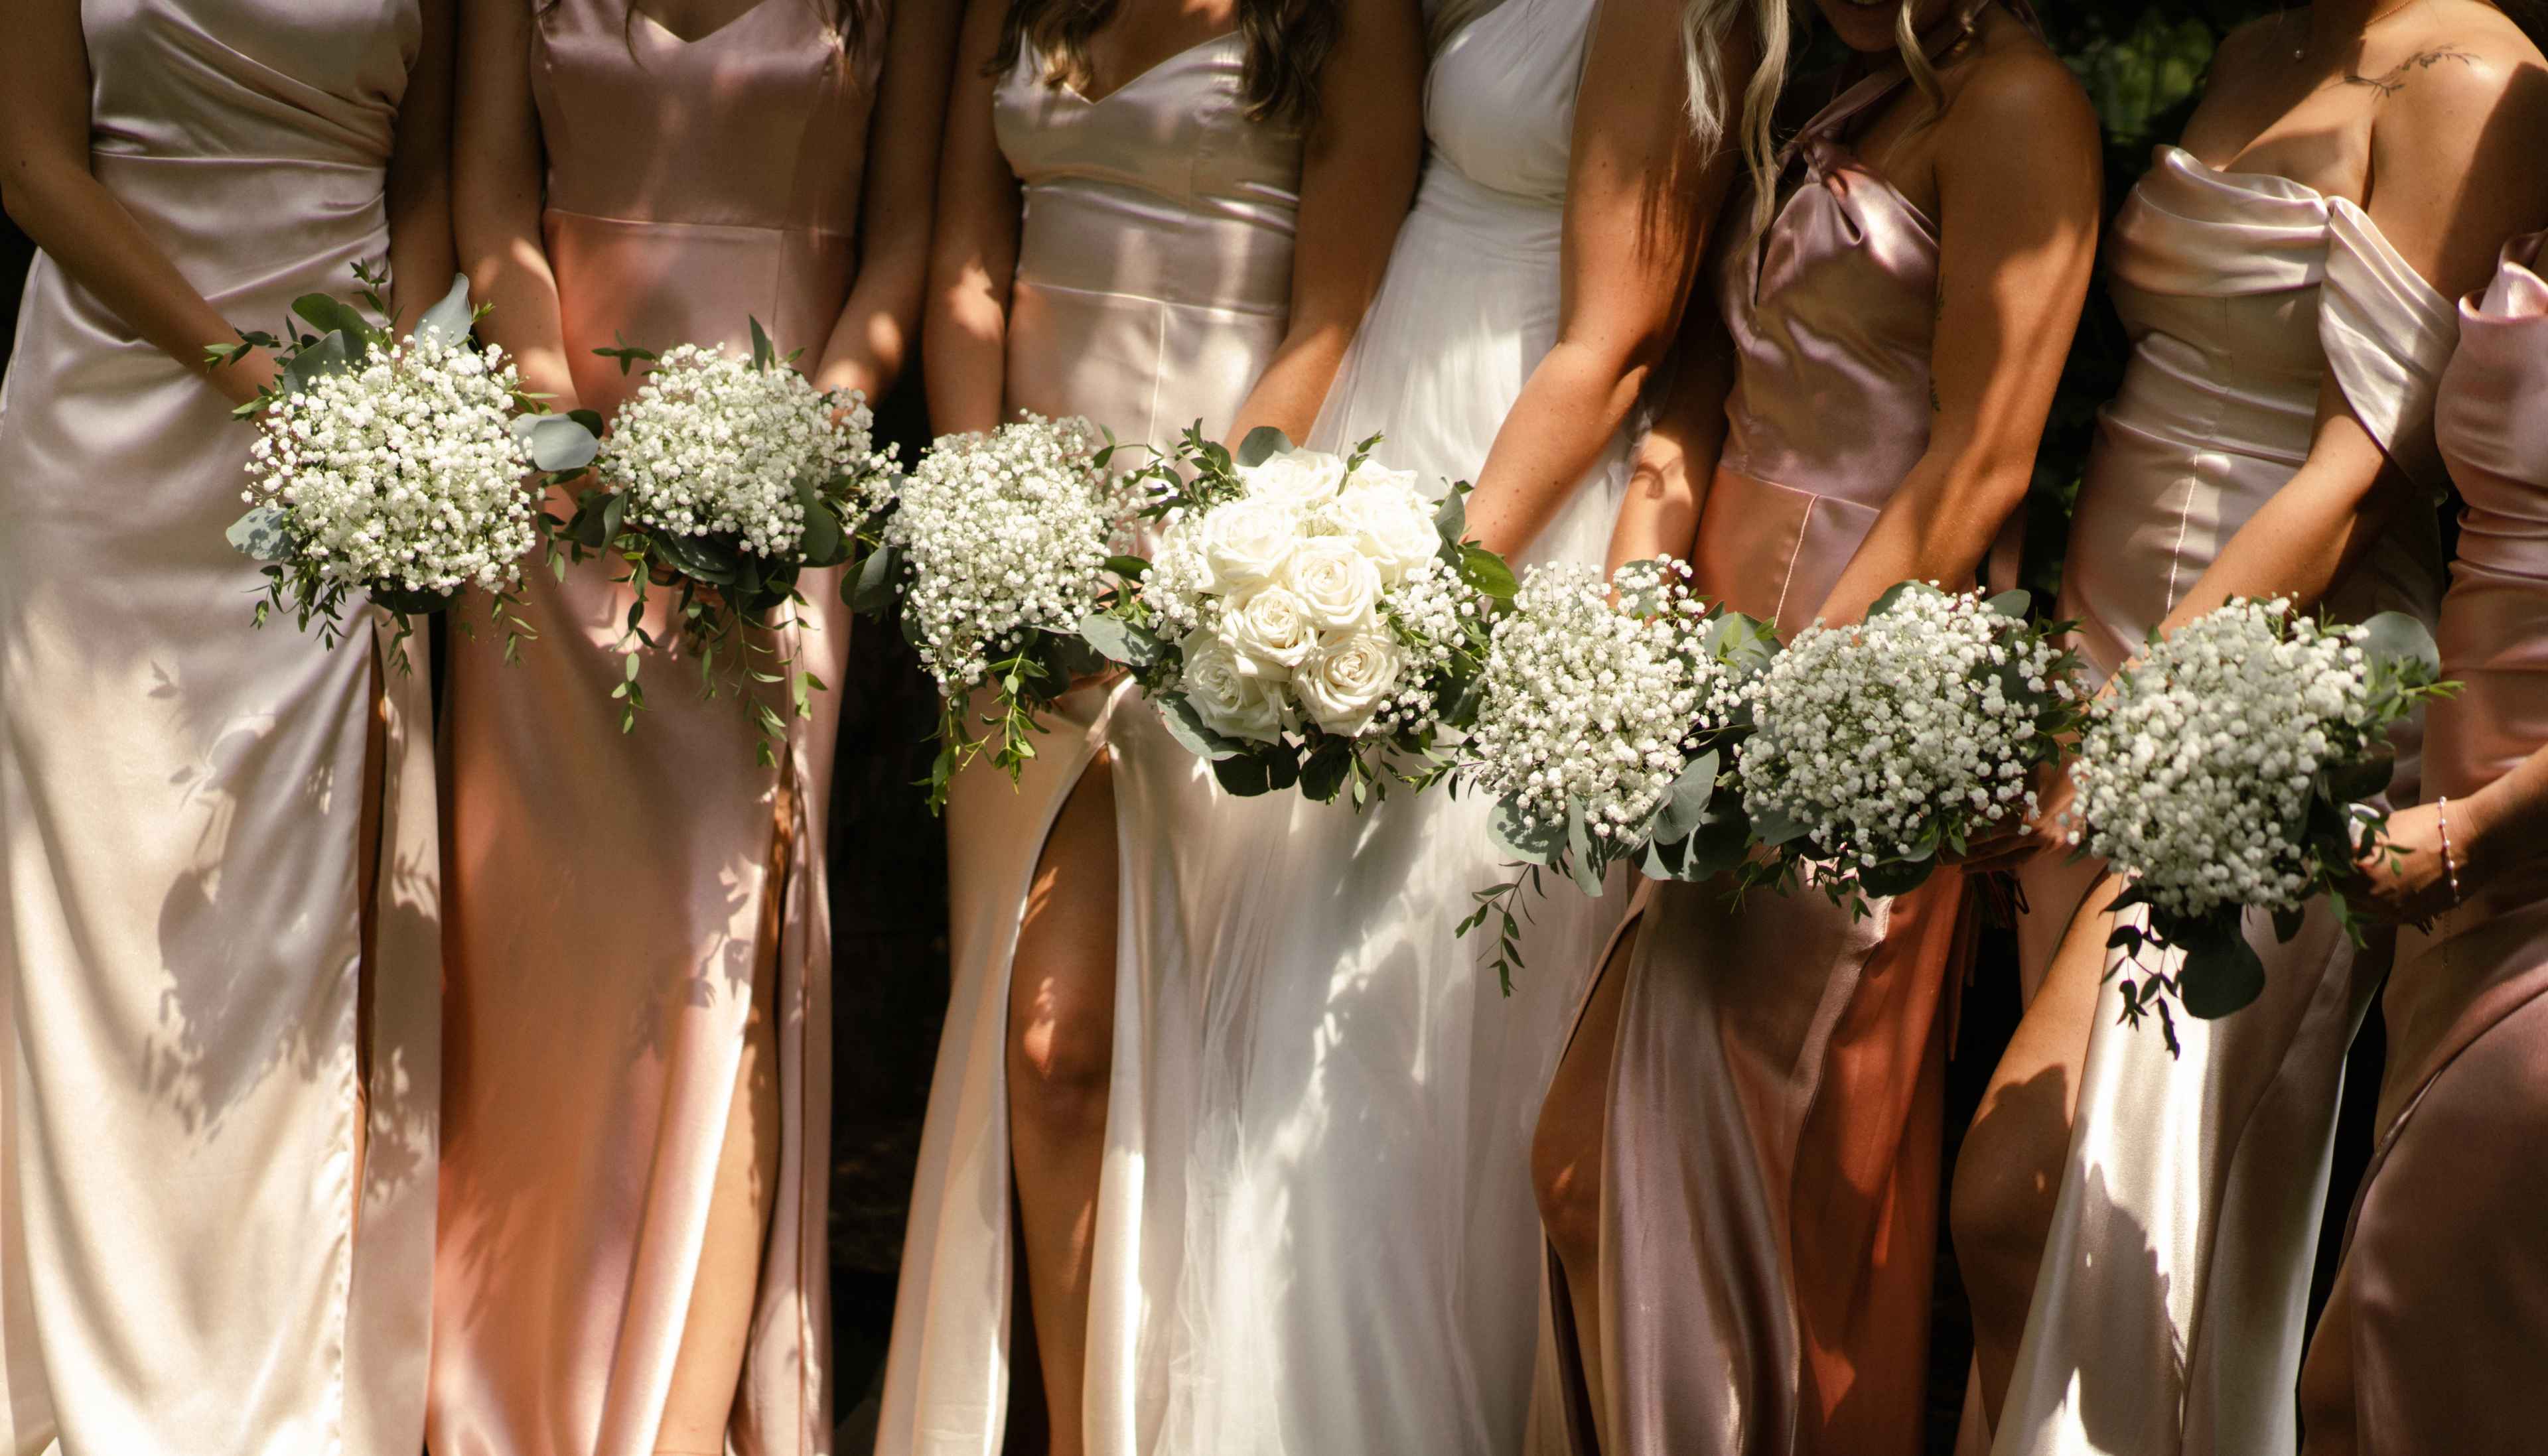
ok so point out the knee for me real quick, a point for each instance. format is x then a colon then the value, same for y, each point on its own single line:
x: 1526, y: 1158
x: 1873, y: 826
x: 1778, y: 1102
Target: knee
x: 1062, y: 1057
x: 2000, y: 1215
x: 1565, y: 1175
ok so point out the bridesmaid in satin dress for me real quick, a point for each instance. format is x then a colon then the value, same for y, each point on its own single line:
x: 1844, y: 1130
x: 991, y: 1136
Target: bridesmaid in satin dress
x: 1157, y: 213
x: 2136, y: 1231
x: 2431, y: 1339
x: 218, y: 882
x: 633, y: 1202
x: 1738, y: 1162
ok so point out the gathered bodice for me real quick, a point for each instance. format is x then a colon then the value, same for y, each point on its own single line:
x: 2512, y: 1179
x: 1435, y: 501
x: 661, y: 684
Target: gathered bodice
x: 243, y: 80
x: 1164, y: 188
x: 1500, y: 114
x: 2492, y: 427
x: 2243, y: 292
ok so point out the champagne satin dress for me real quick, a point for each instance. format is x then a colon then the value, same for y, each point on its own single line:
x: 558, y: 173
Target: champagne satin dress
x: 2432, y: 1338
x: 2169, y: 1308
x: 1770, y: 1178
x: 614, y: 897
x: 180, y: 801
x: 1154, y: 285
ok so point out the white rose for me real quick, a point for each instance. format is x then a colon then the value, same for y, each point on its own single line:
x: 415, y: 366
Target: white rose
x: 1268, y: 632
x: 1337, y: 584
x: 1229, y: 702
x: 1303, y: 477
x: 1346, y: 677
x: 1385, y: 517
x: 1246, y: 543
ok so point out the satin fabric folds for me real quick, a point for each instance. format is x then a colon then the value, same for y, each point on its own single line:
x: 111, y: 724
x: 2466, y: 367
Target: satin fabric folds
x: 2431, y: 1339
x: 1152, y: 286
x: 180, y: 801
x: 1771, y: 1155
x: 618, y: 899
x: 2169, y: 1308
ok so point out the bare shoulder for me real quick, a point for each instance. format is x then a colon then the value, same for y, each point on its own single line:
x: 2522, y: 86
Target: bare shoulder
x: 2256, y: 43
x: 2018, y: 91
x: 2455, y: 75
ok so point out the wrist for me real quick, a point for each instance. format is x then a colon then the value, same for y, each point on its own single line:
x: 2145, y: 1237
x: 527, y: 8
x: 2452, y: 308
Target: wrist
x: 242, y: 378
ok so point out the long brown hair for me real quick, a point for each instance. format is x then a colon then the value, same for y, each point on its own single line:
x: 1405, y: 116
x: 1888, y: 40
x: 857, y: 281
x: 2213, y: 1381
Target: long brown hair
x: 1288, y: 44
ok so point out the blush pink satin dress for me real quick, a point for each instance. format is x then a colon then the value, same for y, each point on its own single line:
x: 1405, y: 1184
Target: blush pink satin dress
x: 2436, y: 1335
x: 1770, y: 1178
x: 182, y: 973
x: 1154, y: 285
x: 2169, y: 1308
x: 614, y: 896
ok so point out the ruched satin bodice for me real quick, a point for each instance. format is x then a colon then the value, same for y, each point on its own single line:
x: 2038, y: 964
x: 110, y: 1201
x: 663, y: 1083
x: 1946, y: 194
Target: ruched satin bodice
x: 1500, y: 123
x: 2242, y: 292
x: 1155, y: 257
x: 1832, y: 313
x: 697, y: 185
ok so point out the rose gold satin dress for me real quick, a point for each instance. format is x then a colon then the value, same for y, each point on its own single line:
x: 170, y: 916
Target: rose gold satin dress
x: 1153, y: 286
x: 2169, y: 1312
x: 1769, y: 1171
x: 2437, y: 1334
x: 615, y: 895
x: 180, y: 805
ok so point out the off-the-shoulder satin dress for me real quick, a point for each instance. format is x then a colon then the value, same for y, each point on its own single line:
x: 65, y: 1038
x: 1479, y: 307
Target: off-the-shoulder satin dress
x: 2170, y: 1306
x: 617, y: 898
x: 1772, y: 1141
x: 194, y: 1026
x: 1153, y: 286
x: 2432, y: 1338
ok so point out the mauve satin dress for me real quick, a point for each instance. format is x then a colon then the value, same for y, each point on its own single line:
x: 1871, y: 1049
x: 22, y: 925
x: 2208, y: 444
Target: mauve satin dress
x: 179, y: 801
x: 1152, y: 286
x: 1771, y: 1159
x: 614, y: 896
x: 2169, y: 1308
x: 2436, y: 1335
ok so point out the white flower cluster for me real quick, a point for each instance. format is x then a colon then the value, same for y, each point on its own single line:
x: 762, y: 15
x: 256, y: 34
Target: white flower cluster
x: 2192, y: 774
x: 711, y: 445
x: 1587, y: 702
x: 1315, y: 597
x: 402, y: 473
x: 1002, y: 535
x: 1875, y: 734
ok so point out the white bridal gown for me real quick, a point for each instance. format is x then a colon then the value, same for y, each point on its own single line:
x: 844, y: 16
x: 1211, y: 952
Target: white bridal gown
x: 1359, y: 1270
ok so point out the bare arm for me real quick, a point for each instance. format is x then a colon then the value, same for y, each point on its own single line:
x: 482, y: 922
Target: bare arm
x: 1356, y: 181
x: 49, y: 190
x: 2455, y: 172
x: 1668, y: 485
x: 2018, y: 197
x: 873, y: 338
x: 976, y: 256
x: 1637, y: 195
x: 496, y: 165
x: 419, y: 202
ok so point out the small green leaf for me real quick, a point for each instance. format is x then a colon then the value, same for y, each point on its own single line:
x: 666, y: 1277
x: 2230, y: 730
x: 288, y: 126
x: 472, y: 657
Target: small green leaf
x: 2397, y: 637
x: 823, y: 543
x: 1686, y: 808
x: 448, y: 320
x: 764, y: 354
x: 1451, y: 518
x: 332, y: 315
x: 263, y: 534
x: 873, y: 594
x: 1242, y: 775
x: 1772, y: 827
x: 1122, y: 641
x: 556, y: 442
x: 1579, y: 851
x: 2222, y: 974
x: 1488, y: 573
x: 1263, y: 443
x: 1130, y: 568
x: 2012, y: 603
x: 334, y: 354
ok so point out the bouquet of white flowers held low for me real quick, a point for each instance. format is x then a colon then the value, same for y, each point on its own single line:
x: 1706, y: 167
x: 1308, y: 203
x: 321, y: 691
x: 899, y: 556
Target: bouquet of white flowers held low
x: 391, y: 469
x: 1606, y: 725
x: 723, y: 481
x: 1879, y: 745
x: 991, y: 551
x: 1306, y: 621
x: 2225, y: 773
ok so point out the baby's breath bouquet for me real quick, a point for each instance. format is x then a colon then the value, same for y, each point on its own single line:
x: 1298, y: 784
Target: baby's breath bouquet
x: 1306, y: 621
x: 723, y: 480
x: 991, y: 551
x: 393, y: 470
x: 1879, y: 745
x: 1606, y: 722
x: 2225, y: 773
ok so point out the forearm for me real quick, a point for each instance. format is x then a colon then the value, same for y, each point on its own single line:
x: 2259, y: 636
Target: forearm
x: 967, y: 360
x: 872, y: 341
x: 423, y: 256
x: 509, y: 273
x: 87, y: 233
x: 1937, y: 527
x: 1570, y: 409
x: 1294, y: 384
x: 2298, y: 545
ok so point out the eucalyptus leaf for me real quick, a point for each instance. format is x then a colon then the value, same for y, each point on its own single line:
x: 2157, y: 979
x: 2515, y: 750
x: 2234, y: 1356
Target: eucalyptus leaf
x: 1686, y: 807
x: 1532, y: 845
x: 1130, y: 568
x: 1451, y: 518
x: 1242, y: 775
x: 1886, y: 879
x: 1894, y: 593
x: 1121, y: 641
x: 1579, y: 851
x: 1772, y: 827
x: 332, y: 315
x: 2221, y: 974
x: 449, y: 320
x: 874, y: 593
x: 701, y: 559
x: 764, y: 354
x: 2397, y: 636
x: 1744, y: 644
x: 1720, y: 845
x: 1325, y: 773
x: 1488, y: 573
x: 823, y: 542
x: 1263, y: 443
x: 556, y: 442
x: 332, y: 354
x: 263, y: 534
x: 2012, y: 603
x: 1187, y: 727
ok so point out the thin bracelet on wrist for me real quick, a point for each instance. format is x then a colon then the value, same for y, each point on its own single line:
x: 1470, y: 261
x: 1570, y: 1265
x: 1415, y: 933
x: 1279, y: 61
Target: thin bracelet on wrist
x: 2450, y: 867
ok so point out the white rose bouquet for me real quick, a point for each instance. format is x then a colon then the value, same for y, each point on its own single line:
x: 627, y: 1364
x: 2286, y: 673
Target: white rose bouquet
x: 1604, y: 726
x: 1305, y: 620
x: 1878, y: 746
x: 389, y: 469
x: 991, y: 551
x: 2225, y: 773
x: 723, y: 481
